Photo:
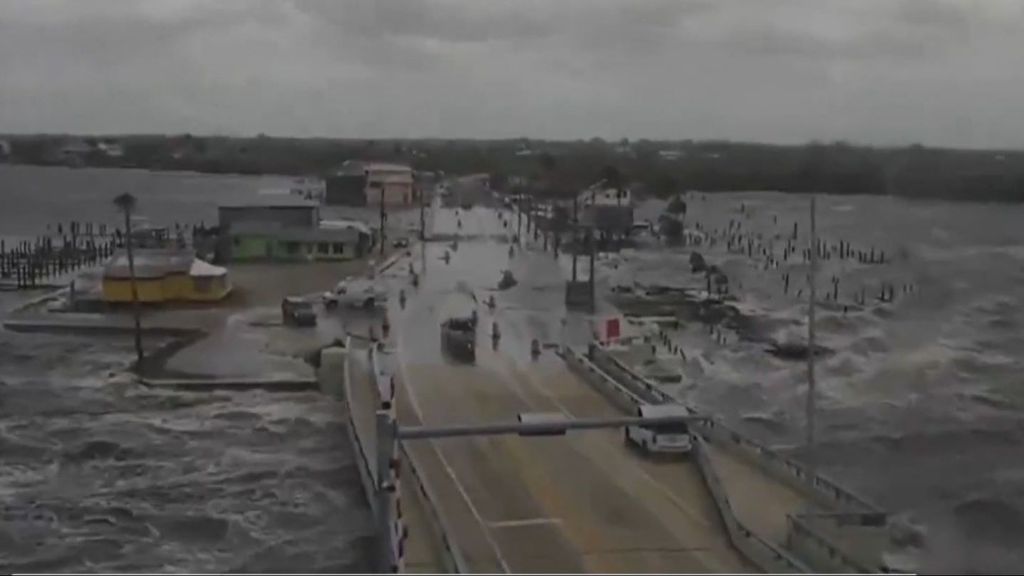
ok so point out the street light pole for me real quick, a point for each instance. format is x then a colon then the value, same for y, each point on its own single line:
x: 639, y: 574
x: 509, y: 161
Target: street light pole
x: 811, y: 385
x: 383, y: 219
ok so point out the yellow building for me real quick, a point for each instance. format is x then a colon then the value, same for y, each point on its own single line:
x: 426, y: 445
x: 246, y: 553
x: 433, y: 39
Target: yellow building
x: 164, y: 275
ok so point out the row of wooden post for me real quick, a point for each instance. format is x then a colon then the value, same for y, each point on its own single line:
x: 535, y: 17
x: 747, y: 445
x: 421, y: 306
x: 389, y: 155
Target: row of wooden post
x: 28, y: 264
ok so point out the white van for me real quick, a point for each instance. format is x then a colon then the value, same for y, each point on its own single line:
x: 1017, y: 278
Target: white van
x: 356, y: 292
x: 661, y: 438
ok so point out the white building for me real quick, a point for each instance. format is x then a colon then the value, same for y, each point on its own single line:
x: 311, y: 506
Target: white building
x: 392, y: 181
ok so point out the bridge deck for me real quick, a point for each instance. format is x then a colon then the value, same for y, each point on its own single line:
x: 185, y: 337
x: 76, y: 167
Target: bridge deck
x: 760, y: 501
x: 578, y: 503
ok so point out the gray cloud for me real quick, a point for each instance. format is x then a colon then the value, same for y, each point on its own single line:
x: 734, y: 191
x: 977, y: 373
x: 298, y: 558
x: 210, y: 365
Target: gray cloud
x: 886, y: 71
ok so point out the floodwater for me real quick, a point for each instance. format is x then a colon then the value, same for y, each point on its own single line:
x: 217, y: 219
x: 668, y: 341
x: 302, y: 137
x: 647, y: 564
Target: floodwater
x: 100, y: 474
x: 920, y: 401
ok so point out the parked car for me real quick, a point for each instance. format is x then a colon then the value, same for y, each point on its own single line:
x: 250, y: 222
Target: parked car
x: 296, y: 311
x: 401, y: 243
x: 355, y: 293
x: 660, y: 438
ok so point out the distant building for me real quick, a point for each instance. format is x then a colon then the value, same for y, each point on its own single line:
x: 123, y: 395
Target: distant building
x: 74, y: 152
x: 671, y: 154
x: 367, y: 183
x: 287, y: 227
x: 606, y: 209
x: 164, y: 275
x: 283, y: 210
x: 110, y: 148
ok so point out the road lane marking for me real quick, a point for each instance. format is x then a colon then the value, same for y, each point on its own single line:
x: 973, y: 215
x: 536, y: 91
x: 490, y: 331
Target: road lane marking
x: 447, y: 466
x: 643, y: 474
x: 524, y: 522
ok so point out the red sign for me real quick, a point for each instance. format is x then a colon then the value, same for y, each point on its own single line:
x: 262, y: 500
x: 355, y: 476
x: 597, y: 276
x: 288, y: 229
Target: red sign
x: 612, y: 329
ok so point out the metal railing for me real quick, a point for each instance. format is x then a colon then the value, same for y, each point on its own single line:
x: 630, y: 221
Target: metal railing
x: 452, y: 555
x: 764, y: 554
x: 819, y: 483
x: 801, y: 533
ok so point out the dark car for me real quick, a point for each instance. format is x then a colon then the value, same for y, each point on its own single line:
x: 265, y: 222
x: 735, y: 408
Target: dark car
x: 458, y: 336
x: 297, y: 311
x: 401, y: 243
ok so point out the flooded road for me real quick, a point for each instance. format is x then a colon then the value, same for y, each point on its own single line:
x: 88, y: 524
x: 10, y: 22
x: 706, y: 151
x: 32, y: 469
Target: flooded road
x: 921, y: 403
x: 919, y: 409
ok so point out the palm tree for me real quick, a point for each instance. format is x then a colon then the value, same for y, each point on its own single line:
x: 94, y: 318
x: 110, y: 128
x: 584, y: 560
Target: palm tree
x: 126, y: 204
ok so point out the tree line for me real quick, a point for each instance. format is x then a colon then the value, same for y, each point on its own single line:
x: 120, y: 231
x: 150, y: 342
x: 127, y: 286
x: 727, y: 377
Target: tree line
x: 655, y: 168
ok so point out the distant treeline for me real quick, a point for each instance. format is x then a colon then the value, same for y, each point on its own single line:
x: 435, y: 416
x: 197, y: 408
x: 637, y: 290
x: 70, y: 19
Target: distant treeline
x: 659, y: 168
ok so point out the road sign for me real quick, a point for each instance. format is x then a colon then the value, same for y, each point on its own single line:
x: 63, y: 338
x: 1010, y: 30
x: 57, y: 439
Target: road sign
x: 612, y: 329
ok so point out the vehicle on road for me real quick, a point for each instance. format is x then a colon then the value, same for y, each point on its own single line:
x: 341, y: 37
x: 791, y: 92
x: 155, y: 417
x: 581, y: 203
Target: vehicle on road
x: 507, y: 280
x: 401, y: 243
x: 297, y: 311
x: 458, y: 337
x: 660, y: 438
x: 355, y: 293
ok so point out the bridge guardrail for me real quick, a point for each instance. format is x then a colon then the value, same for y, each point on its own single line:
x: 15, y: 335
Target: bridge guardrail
x: 803, y: 536
x: 655, y: 395
x: 367, y: 472
x: 786, y: 468
x: 452, y: 555
x: 758, y: 550
x: 601, y: 381
x: 384, y: 387
x: 869, y: 514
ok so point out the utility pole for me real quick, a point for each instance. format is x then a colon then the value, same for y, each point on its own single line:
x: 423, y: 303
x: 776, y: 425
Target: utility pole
x: 575, y: 235
x: 519, y: 218
x: 811, y: 409
x: 383, y: 219
x: 423, y: 217
x: 592, y: 245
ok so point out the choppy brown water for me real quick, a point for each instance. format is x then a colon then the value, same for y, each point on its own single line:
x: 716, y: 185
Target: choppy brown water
x: 921, y: 403
x: 99, y: 474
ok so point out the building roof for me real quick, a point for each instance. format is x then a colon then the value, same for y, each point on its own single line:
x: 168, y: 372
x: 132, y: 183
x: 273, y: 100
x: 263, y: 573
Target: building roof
x: 341, y: 224
x: 201, y: 269
x: 149, y: 263
x: 391, y: 178
x: 297, y: 234
x: 385, y: 167
x: 601, y: 196
x: 272, y: 201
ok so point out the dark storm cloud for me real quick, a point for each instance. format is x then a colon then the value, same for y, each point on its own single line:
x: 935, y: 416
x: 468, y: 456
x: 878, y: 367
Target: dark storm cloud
x: 892, y: 71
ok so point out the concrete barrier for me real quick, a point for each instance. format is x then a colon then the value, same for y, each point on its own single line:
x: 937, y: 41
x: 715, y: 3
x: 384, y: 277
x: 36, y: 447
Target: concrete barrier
x: 270, y: 384
x: 762, y: 553
x: 782, y: 467
x: 787, y: 470
x: 453, y: 558
x: 601, y: 381
x: 819, y: 550
x: 332, y: 374
x: 367, y: 470
x: 637, y: 384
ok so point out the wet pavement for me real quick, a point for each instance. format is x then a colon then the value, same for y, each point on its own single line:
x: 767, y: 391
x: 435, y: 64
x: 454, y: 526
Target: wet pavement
x: 580, y: 503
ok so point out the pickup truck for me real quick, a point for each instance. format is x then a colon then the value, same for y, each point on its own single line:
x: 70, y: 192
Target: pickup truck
x: 296, y: 311
x: 355, y: 293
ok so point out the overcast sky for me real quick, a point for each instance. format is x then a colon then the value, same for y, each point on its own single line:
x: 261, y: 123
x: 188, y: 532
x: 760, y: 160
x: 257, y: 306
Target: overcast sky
x: 943, y: 72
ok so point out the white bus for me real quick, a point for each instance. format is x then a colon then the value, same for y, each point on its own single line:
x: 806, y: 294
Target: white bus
x: 661, y: 438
